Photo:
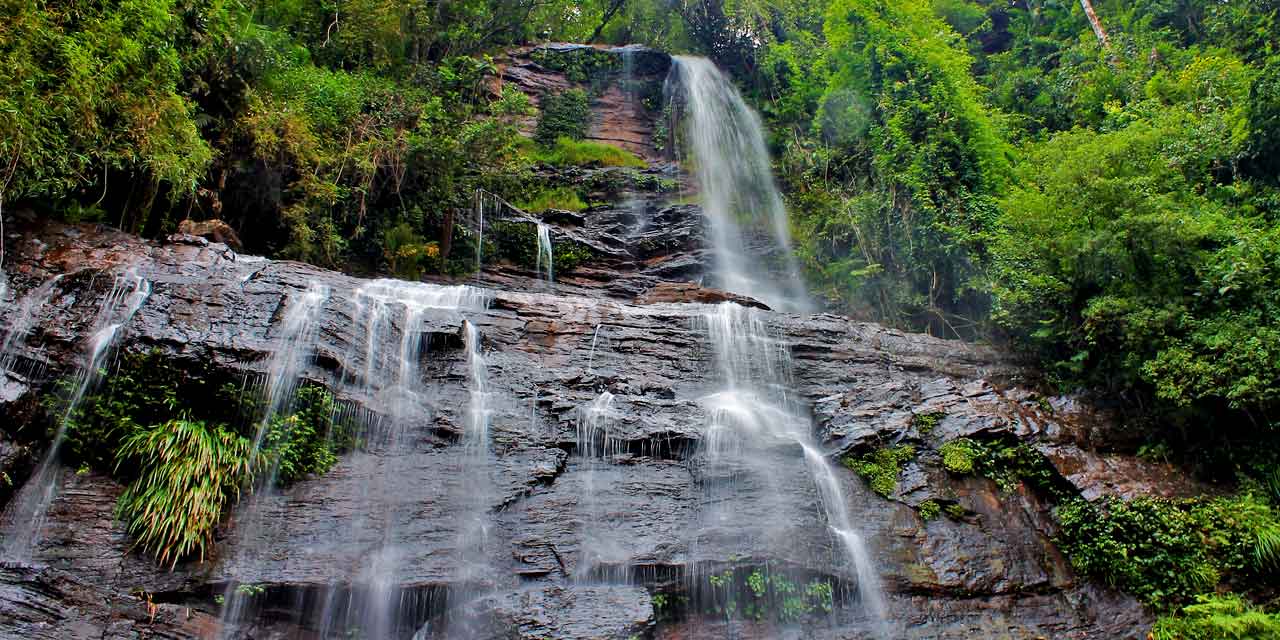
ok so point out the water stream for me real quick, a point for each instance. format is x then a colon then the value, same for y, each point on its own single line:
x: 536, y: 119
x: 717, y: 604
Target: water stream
x: 25, y: 518
x: 738, y: 192
x: 545, y: 254
x: 752, y: 417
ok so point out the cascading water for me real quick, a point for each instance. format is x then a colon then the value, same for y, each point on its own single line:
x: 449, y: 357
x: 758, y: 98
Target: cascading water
x: 726, y: 140
x: 24, y: 320
x: 544, y: 253
x: 24, y: 520
x: 473, y: 531
x: 367, y: 596
x: 595, y: 445
x: 294, y: 348
x: 754, y: 414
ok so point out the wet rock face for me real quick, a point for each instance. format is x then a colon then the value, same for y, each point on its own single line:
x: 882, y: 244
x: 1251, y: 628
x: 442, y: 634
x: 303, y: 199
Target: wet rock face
x: 625, y: 84
x: 648, y: 510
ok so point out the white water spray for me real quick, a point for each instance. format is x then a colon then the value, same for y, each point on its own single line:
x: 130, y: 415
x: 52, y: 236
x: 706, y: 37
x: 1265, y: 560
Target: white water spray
x: 756, y: 410
x: 544, y: 253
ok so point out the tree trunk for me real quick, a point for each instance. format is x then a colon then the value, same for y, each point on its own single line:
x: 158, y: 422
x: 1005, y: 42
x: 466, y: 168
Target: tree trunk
x: 1095, y: 23
x: 609, y: 12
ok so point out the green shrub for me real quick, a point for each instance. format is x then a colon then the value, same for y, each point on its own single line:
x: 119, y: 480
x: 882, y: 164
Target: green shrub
x: 187, y: 473
x: 1166, y: 551
x: 882, y: 467
x: 144, y: 389
x: 1218, y: 617
x: 561, y: 197
x: 567, y: 152
x: 929, y: 510
x: 308, y: 440
x: 925, y: 423
x: 566, y: 114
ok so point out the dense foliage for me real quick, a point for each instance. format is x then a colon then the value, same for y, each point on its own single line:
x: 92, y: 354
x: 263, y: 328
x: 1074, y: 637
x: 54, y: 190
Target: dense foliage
x: 184, y: 442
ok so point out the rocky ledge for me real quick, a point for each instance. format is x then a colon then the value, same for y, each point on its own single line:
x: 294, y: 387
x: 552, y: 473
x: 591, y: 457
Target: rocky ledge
x: 991, y: 571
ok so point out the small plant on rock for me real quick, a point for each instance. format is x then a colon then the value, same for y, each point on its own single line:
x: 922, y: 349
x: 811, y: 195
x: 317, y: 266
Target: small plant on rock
x: 882, y: 467
x: 187, y: 473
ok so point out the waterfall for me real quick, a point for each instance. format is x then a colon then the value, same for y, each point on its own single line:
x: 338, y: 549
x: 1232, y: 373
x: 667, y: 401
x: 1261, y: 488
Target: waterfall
x: 390, y: 316
x: 732, y: 167
x: 24, y: 320
x: 293, y: 351
x: 595, y: 445
x: 544, y: 252
x: 26, y: 515
x: 754, y: 413
x: 294, y: 348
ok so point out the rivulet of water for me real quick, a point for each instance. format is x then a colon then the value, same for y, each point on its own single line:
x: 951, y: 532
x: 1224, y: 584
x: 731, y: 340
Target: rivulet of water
x: 23, y: 521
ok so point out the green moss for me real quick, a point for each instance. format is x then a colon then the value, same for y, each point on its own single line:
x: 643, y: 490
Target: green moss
x: 882, y: 467
x: 955, y: 511
x: 926, y: 422
x: 1006, y: 463
x: 958, y: 455
x: 929, y: 510
x: 564, y: 115
x: 560, y: 197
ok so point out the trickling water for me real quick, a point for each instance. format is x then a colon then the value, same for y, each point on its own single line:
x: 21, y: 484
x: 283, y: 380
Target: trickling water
x: 24, y: 320
x: 591, y: 358
x: 734, y: 174
x: 544, y: 252
x: 754, y: 412
x: 26, y: 515
x: 293, y: 351
x: 596, y: 444
x: 367, y: 598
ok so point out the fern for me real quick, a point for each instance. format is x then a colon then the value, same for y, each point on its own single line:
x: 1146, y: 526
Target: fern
x: 1266, y: 548
x: 188, y: 473
x: 1214, y: 617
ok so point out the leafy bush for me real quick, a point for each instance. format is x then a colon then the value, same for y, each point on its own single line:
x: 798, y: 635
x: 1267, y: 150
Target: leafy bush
x: 929, y: 510
x: 567, y: 152
x: 882, y: 467
x: 561, y: 197
x: 564, y: 115
x: 1164, y: 551
x: 1218, y: 617
x: 308, y: 440
x: 187, y: 472
x: 145, y: 389
x: 1005, y: 463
